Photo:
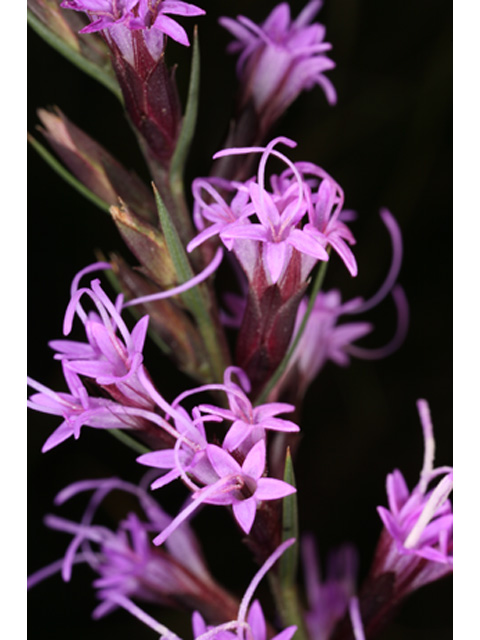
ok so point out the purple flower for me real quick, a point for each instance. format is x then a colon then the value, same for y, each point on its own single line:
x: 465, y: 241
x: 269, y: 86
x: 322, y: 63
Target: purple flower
x: 187, y: 457
x: 328, y: 598
x: 329, y: 339
x: 153, y: 14
x: 110, y: 359
x: 280, y: 58
x: 249, y: 424
x: 104, y: 13
x: 78, y: 410
x: 417, y: 542
x: 255, y: 623
x: 191, y: 457
x: 131, y: 15
x: 229, y: 483
x: 324, y: 339
x: 126, y: 562
x: 249, y: 622
x: 277, y: 233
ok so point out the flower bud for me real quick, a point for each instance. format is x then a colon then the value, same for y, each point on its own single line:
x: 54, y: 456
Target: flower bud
x: 94, y: 166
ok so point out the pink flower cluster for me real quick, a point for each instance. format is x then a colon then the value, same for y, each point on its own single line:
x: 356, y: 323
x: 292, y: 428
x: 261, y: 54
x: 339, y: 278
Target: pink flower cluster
x: 135, y: 15
x: 300, y: 216
x: 230, y: 474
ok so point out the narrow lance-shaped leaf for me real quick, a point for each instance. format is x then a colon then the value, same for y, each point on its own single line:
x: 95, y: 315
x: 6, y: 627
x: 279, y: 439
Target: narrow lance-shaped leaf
x: 289, y: 560
x: 284, y: 582
x: 194, y: 298
x: 189, y: 121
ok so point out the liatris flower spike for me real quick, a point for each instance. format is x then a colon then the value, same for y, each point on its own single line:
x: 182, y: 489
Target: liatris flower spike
x: 262, y: 231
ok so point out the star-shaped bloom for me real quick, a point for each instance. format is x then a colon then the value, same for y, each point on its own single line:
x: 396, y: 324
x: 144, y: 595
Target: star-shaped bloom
x: 326, y: 226
x: 265, y: 227
x: 214, y: 209
x: 187, y: 457
x: 249, y: 423
x: 241, y: 486
x: 77, y: 409
x: 277, y: 231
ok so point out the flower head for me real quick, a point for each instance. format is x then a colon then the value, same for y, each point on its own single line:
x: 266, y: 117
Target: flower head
x: 249, y: 423
x: 155, y: 14
x: 227, y: 482
x: 125, y: 561
x: 249, y: 622
x: 77, y: 409
x: 213, y: 473
x: 112, y: 354
x: 135, y: 14
x: 280, y: 58
x: 417, y: 542
x: 266, y: 228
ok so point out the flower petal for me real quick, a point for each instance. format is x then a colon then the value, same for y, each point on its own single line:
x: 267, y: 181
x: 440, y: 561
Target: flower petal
x: 244, y: 512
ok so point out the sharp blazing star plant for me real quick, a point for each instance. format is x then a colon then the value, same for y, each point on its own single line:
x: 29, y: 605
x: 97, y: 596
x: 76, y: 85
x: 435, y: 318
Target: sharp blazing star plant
x: 224, y: 286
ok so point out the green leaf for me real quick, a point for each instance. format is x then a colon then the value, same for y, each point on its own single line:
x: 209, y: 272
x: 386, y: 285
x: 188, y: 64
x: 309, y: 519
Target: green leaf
x: 103, y: 76
x: 66, y: 175
x: 289, y: 560
x: 283, y: 583
x: 175, y: 248
x: 189, y: 120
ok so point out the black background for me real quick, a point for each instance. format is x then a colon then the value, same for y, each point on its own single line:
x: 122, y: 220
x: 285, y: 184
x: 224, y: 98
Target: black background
x: 388, y: 143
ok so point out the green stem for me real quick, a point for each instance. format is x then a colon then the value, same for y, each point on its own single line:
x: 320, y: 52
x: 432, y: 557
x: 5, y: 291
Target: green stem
x: 280, y: 370
x: 129, y: 441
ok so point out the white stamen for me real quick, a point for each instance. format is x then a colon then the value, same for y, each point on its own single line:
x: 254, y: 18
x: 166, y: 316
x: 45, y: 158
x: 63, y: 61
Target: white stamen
x: 438, y: 497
